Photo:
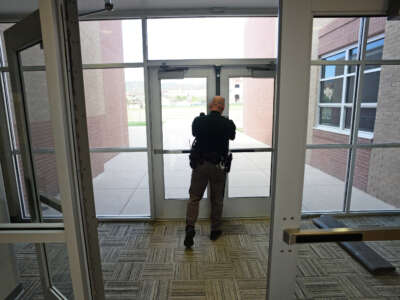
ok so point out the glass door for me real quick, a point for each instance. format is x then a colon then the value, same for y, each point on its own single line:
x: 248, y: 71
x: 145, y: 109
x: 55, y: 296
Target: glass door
x: 178, y: 95
x: 40, y: 158
x: 34, y: 151
x: 249, y: 94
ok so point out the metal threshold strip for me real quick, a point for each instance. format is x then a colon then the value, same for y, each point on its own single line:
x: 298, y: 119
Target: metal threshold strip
x: 299, y: 236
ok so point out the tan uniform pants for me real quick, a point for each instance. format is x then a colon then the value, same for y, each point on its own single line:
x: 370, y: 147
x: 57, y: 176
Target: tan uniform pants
x: 201, y: 175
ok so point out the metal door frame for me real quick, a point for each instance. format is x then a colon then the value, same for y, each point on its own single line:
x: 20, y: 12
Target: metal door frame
x: 293, y: 77
x: 170, y: 208
x: 60, y: 35
x: 22, y: 35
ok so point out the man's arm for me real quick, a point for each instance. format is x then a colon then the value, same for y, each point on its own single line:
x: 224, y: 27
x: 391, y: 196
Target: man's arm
x: 195, y: 127
x: 232, y: 130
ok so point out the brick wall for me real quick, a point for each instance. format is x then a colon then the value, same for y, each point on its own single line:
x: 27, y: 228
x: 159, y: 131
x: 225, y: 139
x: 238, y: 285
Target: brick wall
x: 342, y: 32
x: 258, y: 94
x: 384, y: 170
x: 334, y: 161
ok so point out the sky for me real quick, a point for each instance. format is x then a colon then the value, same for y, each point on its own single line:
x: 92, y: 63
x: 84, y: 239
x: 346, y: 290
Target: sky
x: 183, y: 38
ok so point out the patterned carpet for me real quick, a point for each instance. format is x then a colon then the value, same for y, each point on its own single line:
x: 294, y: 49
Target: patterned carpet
x: 149, y: 261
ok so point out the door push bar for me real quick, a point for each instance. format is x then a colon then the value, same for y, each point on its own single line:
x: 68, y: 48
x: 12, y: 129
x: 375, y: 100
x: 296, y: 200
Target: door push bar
x: 52, y: 202
x: 299, y: 236
x: 182, y: 151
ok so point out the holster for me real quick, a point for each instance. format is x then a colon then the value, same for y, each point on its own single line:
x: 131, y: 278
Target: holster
x: 195, y: 159
x: 227, y: 162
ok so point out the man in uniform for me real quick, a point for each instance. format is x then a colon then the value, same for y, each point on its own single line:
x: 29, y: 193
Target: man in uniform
x: 210, y: 162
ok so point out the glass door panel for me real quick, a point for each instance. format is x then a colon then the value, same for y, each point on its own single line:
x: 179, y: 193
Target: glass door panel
x: 251, y: 108
x: 34, y: 151
x: 181, y: 101
x: 37, y: 111
x: 250, y: 104
x: 179, y: 94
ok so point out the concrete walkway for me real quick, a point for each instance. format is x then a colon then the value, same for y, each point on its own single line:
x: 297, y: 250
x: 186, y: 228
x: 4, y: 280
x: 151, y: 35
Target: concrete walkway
x: 122, y: 189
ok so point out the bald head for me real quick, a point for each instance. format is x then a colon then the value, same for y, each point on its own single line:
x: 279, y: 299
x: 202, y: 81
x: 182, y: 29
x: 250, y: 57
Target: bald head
x: 217, y: 104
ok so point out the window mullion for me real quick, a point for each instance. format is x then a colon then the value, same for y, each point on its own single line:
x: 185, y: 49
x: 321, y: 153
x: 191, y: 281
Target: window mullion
x: 355, y: 120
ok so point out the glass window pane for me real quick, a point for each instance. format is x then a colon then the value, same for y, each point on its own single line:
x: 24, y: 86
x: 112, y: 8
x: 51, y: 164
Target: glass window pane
x: 332, y: 71
x: 383, y: 120
x: 182, y: 100
x: 11, y: 111
x: 32, y: 56
x: 3, y: 54
x: 115, y: 41
x: 387, y: 47
x: 192, y: 38
x: 332, y: 34
x: 41, y: 138
x: 347, y: 122
x: 374, y: 50
x: 350, y: 89
x: 21, y: 265
x: 121, y: 183
x: 317, y: 134
x: 324, y: 180
x: 115, y: 107
x: 367, y: 119
x: 370, y: 87
x: 251, y: 102
x: 331, y: 91
x: 59, y: 271
x: 376, y: 178
x: 250, y: 175
x: 353, y: 55
x: 329, y: 116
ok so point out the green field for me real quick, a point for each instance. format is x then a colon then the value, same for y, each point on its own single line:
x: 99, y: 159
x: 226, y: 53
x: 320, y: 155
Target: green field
x: 137, y: 116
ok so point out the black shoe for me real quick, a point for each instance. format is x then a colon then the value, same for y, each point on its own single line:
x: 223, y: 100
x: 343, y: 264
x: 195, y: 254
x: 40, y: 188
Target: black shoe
x: 190, y: 233
x: 215, y: 234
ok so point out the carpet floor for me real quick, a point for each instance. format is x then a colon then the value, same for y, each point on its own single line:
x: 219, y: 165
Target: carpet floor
x: 149, y: 261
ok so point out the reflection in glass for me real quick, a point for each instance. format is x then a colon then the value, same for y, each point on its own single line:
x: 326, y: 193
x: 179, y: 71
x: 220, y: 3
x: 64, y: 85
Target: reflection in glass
x: 41, y: 139
x: 329, y: 116
x: 331, y: 91
x: 370, y: 86
x: 59, y: 271
x: 3, y: 54
x: 380, y: 108
x: 386, y: 38
x: 181, y: 100
x: 324, y: 179
x: 376, y: 178
x: 121, y: 183
x: 331, y: 35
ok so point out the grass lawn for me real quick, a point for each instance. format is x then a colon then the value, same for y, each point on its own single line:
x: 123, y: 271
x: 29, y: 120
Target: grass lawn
x: 137, y: 116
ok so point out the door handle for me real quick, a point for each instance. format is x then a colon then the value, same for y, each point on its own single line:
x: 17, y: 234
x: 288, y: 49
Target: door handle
x: 298, y: 236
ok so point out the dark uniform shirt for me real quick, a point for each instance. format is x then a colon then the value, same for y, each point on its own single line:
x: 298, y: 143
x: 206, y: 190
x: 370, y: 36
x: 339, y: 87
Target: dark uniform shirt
x: 213, y: 133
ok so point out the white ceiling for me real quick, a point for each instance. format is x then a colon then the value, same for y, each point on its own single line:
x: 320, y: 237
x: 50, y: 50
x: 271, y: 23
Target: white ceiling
x: 16, y: 9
